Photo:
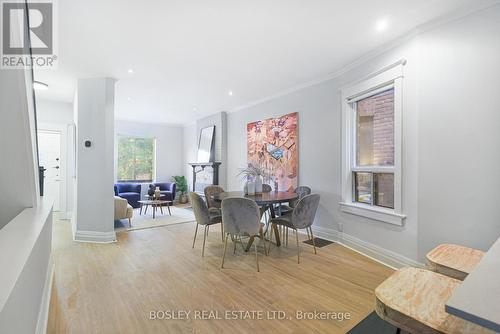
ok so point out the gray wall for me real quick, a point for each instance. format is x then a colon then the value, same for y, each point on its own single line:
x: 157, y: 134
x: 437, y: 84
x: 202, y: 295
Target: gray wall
x: 319, y: 109
x: 450, y: 140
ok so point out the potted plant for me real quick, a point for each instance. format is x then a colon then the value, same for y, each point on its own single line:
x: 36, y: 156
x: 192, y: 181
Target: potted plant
x: 254, y: 176
x: 182, y: 187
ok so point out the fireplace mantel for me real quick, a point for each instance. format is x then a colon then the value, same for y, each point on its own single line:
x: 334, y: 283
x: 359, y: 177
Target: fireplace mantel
x: 199, y: 167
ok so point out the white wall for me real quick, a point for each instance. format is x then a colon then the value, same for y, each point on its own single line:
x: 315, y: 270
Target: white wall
x: 459, y: 136
x: 169, y: 146
x: 25, y: 224
x: 191, y: 134
x: 220, y: 122
x: 57, y: 115
x: 18, y: 179
x: 95, y: 165
x: 450, y: 121
x: 190, y: 147
x: 54, y: 112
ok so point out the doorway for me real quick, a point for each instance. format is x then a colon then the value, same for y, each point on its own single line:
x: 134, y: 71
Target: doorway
x: 49, y: 148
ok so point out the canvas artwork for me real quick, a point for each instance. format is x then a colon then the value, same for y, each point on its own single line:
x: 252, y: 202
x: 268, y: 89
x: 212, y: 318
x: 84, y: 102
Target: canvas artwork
x: 272, y: 144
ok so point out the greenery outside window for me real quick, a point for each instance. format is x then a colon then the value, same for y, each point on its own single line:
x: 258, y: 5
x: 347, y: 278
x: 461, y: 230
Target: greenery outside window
x: 136, y: 159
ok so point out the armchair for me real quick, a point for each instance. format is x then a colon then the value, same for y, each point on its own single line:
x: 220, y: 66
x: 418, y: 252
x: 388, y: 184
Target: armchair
x: 167, y: 190
x: 123, y: 210
x: 130, y: 191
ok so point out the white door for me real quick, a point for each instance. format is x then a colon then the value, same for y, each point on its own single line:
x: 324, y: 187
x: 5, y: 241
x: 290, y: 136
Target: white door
x: 49, y: 148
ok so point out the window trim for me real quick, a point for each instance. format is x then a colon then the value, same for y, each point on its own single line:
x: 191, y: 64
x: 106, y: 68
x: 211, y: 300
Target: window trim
x: 120, y: 135
x: 386, y: 78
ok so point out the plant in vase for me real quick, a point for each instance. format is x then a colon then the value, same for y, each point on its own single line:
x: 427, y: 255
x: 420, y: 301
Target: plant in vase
x: 182, y: 187
x: 255, y: 176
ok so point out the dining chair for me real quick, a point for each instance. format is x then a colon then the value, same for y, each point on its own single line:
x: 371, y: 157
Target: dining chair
x: 266, y: 188
x: 302, y: 217
x: 241, y: 218
x: 264, y: 210
x: 203, y: 217
x: 301, y: 191
x: 210, y: 191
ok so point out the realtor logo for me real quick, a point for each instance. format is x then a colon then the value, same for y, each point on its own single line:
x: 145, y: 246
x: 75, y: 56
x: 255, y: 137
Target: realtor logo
x: 28, y: 34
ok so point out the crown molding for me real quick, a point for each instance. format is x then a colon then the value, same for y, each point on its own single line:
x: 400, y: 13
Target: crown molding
x: 428, y: 26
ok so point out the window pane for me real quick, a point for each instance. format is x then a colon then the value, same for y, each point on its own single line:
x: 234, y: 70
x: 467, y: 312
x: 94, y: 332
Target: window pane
x: 363, y: 187
x: 383, y: 184
x: 375, y: 130
x: 135, y: 159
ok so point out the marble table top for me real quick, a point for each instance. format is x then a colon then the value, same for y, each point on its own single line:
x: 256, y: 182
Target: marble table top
x: 477, y: 299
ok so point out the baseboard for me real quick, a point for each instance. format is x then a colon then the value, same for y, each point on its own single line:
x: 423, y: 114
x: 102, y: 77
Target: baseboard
x: 43, y: 314
x: 377, y: 253
x: 95, y: 237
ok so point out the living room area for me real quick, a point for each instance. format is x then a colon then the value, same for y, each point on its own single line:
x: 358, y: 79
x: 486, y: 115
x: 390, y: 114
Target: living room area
x: 248, y: 167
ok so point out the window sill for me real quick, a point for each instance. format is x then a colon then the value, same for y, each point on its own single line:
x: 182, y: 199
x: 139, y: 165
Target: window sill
x: 380, y: 214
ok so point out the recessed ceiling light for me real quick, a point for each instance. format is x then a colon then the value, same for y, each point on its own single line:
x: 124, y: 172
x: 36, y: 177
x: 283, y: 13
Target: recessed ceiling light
x: 130, y: 71
x: 38, y: 85
x: 129, y: 99
x: 381, y: 25
x: 230, y: 93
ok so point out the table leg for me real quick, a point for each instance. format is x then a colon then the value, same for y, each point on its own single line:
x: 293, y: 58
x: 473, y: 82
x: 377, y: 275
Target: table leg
x: 146, y: 210
x: 161, y: 209
x: 168, y: 206
x: 275, y: 227
x: 154, y: 210
x: 140, y: 209
x: 249, y: 244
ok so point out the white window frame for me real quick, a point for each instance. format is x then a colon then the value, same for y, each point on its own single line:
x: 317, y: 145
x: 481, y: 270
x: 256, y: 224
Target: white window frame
x: 387, y: 78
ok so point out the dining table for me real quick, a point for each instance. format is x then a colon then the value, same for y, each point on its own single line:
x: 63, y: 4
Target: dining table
x: 266, y: 199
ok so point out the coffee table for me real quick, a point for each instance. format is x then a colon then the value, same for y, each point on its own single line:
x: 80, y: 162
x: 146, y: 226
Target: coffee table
x: 155, y: 204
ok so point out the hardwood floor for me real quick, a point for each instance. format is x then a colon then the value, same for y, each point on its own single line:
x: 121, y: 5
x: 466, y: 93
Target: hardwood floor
x: 112, y: 288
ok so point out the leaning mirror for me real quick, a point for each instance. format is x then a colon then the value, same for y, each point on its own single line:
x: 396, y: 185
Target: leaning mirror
x: 206, y: 144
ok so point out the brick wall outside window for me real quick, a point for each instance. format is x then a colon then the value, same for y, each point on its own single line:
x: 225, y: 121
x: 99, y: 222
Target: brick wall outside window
x: 375, y: 133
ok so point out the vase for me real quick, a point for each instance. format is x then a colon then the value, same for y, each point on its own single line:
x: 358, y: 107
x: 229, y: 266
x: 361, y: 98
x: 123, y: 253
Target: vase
x: 251, y: 188
x: 258, y: 184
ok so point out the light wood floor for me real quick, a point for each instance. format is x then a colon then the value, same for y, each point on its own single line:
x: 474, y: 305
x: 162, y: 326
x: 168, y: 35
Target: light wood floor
x: 112, y: 288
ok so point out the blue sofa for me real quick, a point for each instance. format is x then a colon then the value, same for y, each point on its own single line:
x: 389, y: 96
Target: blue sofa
x: 130, y: 191
x: 167, y: 190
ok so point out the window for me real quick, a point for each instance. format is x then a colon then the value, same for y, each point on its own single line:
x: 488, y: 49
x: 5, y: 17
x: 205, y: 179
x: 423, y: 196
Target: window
x: 136, y: 159
x: 373, y: 167
x: 372, y: 146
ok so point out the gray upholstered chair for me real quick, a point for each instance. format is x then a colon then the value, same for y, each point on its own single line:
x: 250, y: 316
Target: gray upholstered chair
x: 210, y: 191
x: 301, y: 191
x: 241, y: 217
x: 266, y: 188
x: 203, y: 217
x: 302, y: 217
x: 287, y: 209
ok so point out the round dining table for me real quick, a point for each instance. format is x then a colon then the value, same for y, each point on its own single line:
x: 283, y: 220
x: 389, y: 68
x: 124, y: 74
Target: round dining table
x: 263, y: 199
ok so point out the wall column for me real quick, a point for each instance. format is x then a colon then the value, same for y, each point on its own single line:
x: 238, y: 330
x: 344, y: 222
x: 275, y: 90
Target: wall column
x: 94, y: 118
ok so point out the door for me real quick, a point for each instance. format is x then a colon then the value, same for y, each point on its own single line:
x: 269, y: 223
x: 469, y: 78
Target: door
x: 49, y: 148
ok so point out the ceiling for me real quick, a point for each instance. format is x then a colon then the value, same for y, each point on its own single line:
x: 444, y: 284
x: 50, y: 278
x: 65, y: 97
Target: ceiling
x: 187, y: 55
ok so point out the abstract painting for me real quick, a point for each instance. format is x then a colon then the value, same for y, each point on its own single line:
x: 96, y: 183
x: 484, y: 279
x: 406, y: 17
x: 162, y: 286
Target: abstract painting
x: 272, y: 144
